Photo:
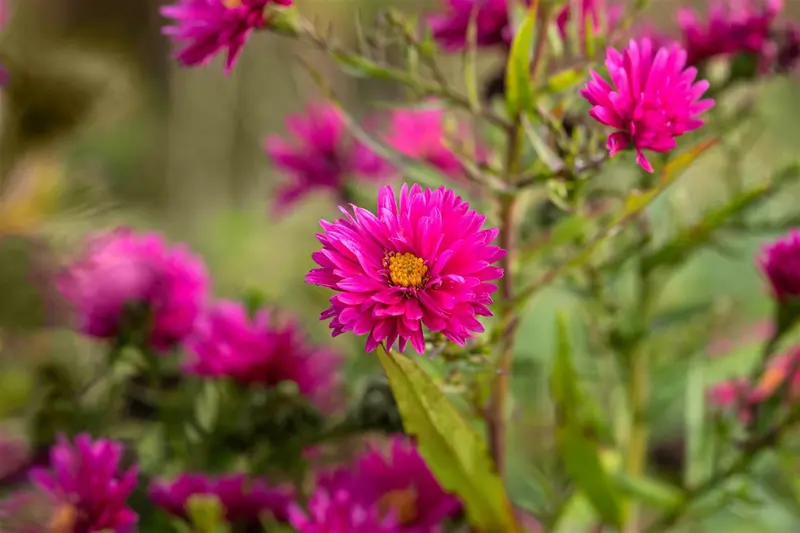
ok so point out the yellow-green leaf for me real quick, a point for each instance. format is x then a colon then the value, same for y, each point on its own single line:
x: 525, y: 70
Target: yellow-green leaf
x: 454, y: 451
x: 519, y: 89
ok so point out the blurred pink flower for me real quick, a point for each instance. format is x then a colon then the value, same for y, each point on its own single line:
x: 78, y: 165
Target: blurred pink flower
x: 731, y: 28
x: 396, y: 479
x: 602, y: 15
x: 780, y: 262
x: 203, y: 28
x: 426, y: 262
x: 338, y: 511
x: 421, y: 134
x: 321, y: 155
x: 261, y: 351
x: 121, y: 269
x: 729, y: 341
x: 87, y: 487
x: 491, y: 24
x: 245, y: 500
x: 28, y: 511
x: 654, y: 99
x: 787, y: 58
x: 14, y: 454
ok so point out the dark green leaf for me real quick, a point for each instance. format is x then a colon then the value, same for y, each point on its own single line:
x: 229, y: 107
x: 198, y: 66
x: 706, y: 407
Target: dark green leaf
x: 519, y: 89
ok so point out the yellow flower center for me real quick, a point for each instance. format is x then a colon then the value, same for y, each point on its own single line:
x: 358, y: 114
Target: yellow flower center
x: 402, y: 502
x: 63, y: 520
x: 406, y: 270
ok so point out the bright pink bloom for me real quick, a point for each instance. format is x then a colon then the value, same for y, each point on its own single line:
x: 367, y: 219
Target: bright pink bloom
x: 338, y: 511
x: 321, y: 155
x: 421, y: 135
x: 654, y: 99
x: 780, y: 262
x: 203, y: 28
x: 124, y: 276
x: 731, y: 28
x: 426, y: 262
x: 397, y: 480
x: 262, y: 351
x: 491, y: 24
x: 87, y: 486
x: 602, y: 16
x: 246, y: 501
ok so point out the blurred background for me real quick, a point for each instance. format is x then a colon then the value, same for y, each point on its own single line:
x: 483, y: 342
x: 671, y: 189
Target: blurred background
x: 101, y: 127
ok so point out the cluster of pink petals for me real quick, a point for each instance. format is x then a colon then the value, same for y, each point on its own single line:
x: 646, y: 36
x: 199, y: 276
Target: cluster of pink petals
x: 731, y: 28
x: 203, y: 28
x: 655, y: 99
x: 245, y: 501
x: 86, y: 479
x: 492, y: 26
x: 321, y: 155
x: 338, y: 511
x: 437, y: 236
x: 120, y: 269
x: 421, y: 134
x: 780, y: 262
x: 602, y: 16
x: 395, y: 480
x: 262, y: 350
x: 739, y: 394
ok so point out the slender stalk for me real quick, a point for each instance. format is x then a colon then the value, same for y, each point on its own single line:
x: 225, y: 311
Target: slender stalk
x: 496, y: 413
x: 636, y: 452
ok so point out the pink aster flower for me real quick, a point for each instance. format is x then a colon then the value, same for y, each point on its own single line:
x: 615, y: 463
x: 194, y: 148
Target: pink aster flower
x: 732, y: 27
x: 421, y: 134
x: 491, y: 23
x: 203, y: 28
x: 654, y: 99
x: 339, y: 511
x: 602, y: 16
x: 321, y: 155
x: 87, y: 487
x: 245, y: 501
x: 425, y: 262
x: 262, y: 351
x: 120, y: 270
x: 397, y: 480
x: 780, y: 262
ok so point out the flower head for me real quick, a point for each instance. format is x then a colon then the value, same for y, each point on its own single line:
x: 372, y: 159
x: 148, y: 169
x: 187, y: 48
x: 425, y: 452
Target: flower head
x: 122, y: 270
x: 203, y: 28
x: 424, y: 262
x: 87, y: 487
x: 450, y: 29
x: 398, y: 481
x: 260, y: 350
x: 339, y: 511
x: 321, y: 155
x: 780, y: 262
x: 421, y: 134
x: 245, y: 501
x: 731, y: 28
x: 654, y: 99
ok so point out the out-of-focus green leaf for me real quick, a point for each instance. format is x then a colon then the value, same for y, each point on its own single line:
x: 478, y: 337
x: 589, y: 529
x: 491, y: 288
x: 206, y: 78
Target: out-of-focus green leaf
x: 678, y: 315
x: 455, y: 452
x: 576, y: 433
x: 519, y: 89
x: 15, y: 390
x: 564, y: 232
x: 699, y: 459
x: 471, y: 62
x: 546, y: 154
x: 207, y: 514
x: 648, y: 490
x: 677, y: 249
x: 565, y: 80
x: 779, y: 481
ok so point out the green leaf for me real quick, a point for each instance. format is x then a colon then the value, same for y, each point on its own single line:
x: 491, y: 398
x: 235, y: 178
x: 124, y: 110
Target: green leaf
x: 649, y: 491
x: 207, y: 514
x: 565, y: 80
x: 546, y: 154
x: 454, y: 451
x: 519, y: 89
x: 563, y: 233
x: 576, y: 433
x: 699, y: 453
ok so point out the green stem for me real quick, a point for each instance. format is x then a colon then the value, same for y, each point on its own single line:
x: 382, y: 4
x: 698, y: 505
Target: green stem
x: 636, y: 453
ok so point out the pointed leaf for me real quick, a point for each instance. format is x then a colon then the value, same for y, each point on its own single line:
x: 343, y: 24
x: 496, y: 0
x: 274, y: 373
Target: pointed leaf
x: 453, y: 450
x: 519, y: 89
x: 576, y: 434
